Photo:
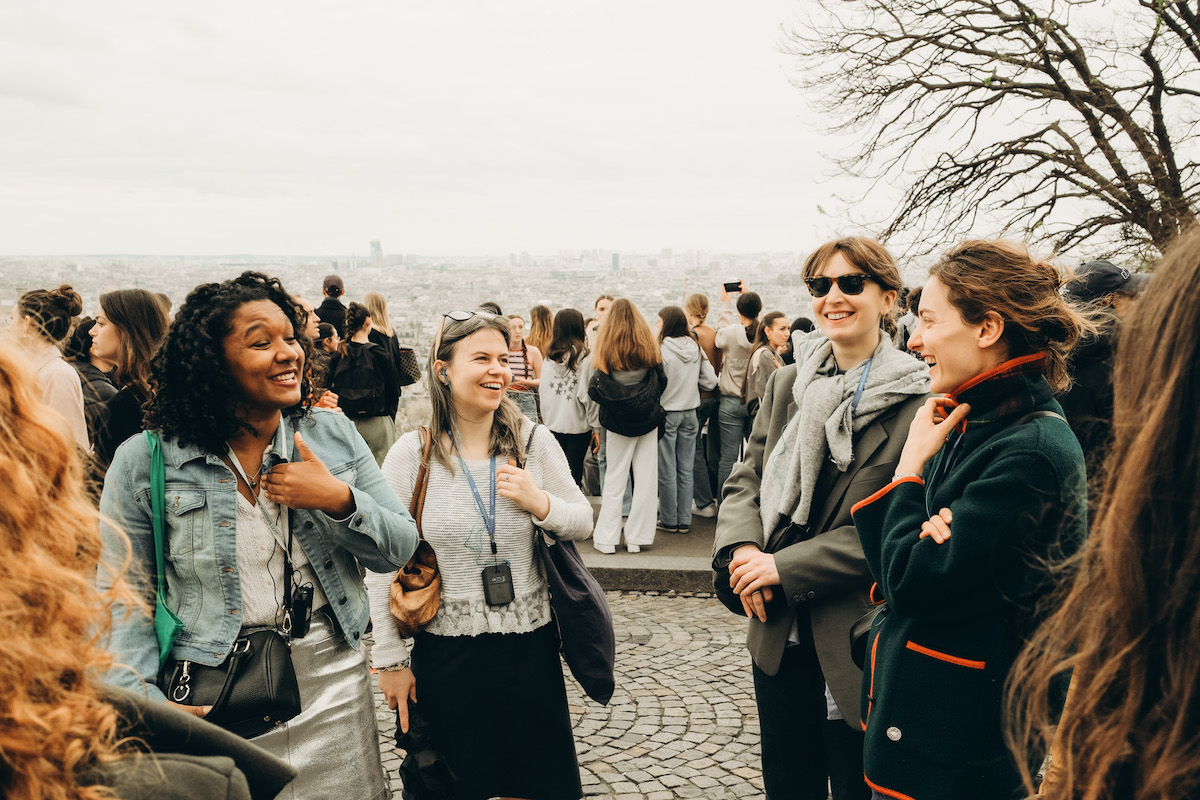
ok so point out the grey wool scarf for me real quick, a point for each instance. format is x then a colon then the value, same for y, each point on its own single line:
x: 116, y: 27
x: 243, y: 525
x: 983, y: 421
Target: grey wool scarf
x: 825, y: 421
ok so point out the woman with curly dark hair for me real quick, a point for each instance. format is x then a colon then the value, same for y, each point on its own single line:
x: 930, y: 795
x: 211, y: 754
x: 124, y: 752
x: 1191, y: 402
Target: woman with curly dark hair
x: 259, y: 488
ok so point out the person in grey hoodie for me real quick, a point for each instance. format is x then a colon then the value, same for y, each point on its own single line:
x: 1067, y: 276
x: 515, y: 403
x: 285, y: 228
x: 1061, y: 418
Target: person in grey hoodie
x: 688, y: 371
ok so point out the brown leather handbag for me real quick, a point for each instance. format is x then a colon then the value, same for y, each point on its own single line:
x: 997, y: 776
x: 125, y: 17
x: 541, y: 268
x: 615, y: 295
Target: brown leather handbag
x: 417, y: 587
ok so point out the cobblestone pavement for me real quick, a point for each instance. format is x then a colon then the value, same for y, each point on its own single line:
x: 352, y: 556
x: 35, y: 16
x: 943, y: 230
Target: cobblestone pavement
x: 682, y: 722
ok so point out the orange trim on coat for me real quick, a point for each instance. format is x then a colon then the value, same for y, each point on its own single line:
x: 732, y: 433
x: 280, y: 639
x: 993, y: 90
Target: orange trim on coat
x: 887, y: 792
x: 875, y: 593
x: 993, y: 372
x: 862, y: 503
x: 871, y: 688
x: 962, y: 662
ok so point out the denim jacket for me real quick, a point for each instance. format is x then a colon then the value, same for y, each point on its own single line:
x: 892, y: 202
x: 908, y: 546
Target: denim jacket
x: 200, y: 551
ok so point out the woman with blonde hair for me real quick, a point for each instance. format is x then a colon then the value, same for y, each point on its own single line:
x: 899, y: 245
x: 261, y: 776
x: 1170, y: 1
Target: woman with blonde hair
x: 63, y: 734
x: 989, y: 489
x: 383, y: 334
x: 42, y: 319
x: 1126, y: 625
x: 485, y: 673
x: 541, y: 328
x: 625, y: 382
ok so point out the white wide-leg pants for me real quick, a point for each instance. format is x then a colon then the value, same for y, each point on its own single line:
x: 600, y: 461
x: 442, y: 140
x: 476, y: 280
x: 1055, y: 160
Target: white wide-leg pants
x: 623, y: 454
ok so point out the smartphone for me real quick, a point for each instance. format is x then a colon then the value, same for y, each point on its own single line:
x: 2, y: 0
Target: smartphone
x: 733, y: 286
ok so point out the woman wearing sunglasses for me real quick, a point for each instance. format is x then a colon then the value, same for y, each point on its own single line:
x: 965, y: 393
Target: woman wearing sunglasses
x: 485, y: 673
x: 989, y: 488
x: 828, y: 434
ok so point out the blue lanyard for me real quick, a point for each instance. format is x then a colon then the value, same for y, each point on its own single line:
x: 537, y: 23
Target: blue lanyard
x: 862, y: 384
x: 489, y: 517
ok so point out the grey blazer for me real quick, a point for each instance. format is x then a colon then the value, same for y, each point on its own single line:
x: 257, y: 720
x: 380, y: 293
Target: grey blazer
x: 828, y: 572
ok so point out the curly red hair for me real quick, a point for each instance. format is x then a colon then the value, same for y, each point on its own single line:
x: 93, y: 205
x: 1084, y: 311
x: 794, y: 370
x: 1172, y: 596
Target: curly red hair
x: 54, y: 726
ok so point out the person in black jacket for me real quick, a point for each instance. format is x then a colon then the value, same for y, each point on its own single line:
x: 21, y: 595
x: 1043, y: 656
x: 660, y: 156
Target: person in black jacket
x: 626, y: 384
x: 362, y: 376
x: 331, y: 309
x: 384, y: 335
x: 95, y: 374
x: 1107, y: 289
x: 130, y: 326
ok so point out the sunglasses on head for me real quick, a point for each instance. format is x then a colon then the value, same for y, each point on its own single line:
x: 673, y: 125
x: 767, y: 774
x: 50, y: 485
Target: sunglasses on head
x: 457, y: 316
x: 847, y: 284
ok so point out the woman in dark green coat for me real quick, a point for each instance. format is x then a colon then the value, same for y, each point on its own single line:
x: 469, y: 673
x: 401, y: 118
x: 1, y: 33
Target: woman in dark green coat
x: 990, y: 483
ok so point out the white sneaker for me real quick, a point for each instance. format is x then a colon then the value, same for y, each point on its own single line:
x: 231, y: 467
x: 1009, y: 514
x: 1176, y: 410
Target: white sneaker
x: 633, y: 548
x: 709, y: 510
x: 607, y: 549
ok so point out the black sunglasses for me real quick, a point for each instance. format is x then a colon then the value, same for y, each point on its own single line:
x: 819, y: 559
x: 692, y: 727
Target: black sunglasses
x: 847, y: 284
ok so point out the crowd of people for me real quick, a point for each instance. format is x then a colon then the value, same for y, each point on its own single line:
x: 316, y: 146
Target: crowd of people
x: 959, y: 518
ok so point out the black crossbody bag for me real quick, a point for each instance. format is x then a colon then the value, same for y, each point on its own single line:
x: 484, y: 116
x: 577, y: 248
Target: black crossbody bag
x: 254, y: 689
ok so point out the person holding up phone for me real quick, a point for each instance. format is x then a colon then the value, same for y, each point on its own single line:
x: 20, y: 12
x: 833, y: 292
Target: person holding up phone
x: 485, y: 673
x: 735, y: 341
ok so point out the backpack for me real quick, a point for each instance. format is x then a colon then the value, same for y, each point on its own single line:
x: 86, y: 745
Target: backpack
x: 630, y: 410
x: 358, y: 379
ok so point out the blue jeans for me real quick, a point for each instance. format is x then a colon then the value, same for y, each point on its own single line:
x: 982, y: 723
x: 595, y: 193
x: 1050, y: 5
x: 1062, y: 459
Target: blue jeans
x: 735, y: 426
x: 676, y: 454
x: 527, y: 402
x: 704, y: 466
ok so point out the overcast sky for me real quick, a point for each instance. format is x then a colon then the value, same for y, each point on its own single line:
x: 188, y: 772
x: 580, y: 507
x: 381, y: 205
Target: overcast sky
x: 437, y: 127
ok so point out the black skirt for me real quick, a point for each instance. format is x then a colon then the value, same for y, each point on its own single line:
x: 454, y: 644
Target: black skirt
x: 497, y: 704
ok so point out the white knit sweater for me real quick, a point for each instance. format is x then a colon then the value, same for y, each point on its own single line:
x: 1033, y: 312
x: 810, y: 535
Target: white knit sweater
x: 453, y: 526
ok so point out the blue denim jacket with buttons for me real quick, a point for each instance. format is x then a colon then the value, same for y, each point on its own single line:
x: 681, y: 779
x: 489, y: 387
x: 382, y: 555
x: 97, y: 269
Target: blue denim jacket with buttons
x: 200, y: 551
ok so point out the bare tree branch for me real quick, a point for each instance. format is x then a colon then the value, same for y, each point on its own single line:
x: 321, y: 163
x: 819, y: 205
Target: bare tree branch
x: 1030, y: 110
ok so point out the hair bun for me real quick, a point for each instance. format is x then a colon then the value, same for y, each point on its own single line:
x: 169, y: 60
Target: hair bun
x: 69, y: 299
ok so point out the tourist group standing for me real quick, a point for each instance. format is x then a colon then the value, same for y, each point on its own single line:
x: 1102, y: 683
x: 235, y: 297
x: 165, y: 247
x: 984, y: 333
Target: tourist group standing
x: 938, y: 603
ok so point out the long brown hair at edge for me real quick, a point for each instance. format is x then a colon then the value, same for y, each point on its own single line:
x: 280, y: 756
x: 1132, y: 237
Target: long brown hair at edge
x: 992, y: 275
x: 506, y: 441
x: 625, y: 341
x: 54, y: 726
x: 1128, y: 623
x: 869, y: 256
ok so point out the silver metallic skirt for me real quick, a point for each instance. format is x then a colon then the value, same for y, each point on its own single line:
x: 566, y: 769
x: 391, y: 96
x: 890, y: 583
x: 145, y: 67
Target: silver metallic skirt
x: 334, y: 742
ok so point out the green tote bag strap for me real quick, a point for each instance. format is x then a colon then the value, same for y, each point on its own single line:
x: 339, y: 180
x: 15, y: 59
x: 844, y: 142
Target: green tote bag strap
x: 166, y: 624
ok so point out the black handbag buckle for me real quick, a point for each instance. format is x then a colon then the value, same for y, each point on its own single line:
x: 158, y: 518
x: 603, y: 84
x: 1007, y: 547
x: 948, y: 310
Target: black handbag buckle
x: 241, y: 647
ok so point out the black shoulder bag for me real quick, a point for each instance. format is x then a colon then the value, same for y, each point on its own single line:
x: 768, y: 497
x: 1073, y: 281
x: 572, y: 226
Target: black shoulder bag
x: 254, y: 689
x: 581, y: 614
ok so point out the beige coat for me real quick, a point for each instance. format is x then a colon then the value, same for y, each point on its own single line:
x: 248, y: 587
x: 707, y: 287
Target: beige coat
x: 828, y: 572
